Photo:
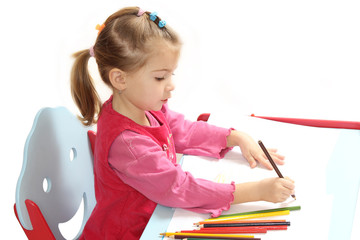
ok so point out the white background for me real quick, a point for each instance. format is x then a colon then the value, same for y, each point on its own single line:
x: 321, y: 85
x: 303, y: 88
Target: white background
x: 279, y: 58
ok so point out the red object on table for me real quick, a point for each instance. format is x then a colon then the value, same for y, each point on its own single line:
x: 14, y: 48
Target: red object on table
x: 315, y: 122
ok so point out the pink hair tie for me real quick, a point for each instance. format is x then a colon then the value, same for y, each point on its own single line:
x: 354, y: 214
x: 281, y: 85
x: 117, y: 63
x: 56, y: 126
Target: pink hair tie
x: 91, y: 51
x: 140, y: 13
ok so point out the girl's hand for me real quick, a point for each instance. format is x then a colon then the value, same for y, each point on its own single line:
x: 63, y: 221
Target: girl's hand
x: 276, y: 189
x: 252, y: 151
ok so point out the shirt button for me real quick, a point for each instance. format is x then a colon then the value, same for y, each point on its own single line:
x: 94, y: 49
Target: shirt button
x: 165, y: 147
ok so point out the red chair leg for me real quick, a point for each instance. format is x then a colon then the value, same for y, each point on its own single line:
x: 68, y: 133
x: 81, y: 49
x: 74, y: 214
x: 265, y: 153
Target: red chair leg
x: 41, y: 229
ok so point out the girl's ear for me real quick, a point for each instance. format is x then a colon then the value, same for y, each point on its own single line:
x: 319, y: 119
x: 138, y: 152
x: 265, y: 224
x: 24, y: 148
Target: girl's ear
x: 117, y: 79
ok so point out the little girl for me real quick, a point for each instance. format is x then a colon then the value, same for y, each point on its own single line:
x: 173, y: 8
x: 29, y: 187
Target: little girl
x: 137, y: 134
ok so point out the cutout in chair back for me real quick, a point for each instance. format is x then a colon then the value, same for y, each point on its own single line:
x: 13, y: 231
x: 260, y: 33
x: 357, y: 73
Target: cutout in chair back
x: 57, y: 172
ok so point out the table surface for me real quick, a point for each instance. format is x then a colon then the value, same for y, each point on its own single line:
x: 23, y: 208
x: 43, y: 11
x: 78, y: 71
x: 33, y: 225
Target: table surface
x: 323, y: 162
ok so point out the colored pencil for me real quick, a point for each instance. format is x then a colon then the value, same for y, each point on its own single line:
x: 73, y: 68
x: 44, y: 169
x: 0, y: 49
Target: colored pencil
x: 230, y: 224
x: 204, y: 238
x: 204, y: 235
x: 239, y: 221
x: 292, y: 208
x: 250, y: 216
x: 272, y: 162
x: 245, y: 229
x: 228, y: 230
x: 259, y: 229
x: 267, y: 228
x: 210, y: 237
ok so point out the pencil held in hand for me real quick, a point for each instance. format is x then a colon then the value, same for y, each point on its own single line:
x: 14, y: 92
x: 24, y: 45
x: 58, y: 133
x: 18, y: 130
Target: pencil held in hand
x: 272, y: 162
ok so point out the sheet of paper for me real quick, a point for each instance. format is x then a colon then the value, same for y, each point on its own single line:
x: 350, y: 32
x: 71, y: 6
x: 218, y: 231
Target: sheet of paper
x: 307, y: 151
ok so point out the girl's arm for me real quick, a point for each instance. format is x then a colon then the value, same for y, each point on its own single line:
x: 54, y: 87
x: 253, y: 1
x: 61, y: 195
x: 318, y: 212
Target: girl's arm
x: 201, y: 138
x: 196, y: 138
x: 141, y: 163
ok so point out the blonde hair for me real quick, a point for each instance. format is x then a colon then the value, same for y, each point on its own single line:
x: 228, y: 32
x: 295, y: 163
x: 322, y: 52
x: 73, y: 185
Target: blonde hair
x: 124, y: 43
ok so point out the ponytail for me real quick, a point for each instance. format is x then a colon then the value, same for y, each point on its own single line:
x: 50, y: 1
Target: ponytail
x: 83, y: 90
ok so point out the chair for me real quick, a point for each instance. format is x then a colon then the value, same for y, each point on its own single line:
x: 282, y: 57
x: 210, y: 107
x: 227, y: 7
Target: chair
x: 203, y: 117
x: 56, y: 176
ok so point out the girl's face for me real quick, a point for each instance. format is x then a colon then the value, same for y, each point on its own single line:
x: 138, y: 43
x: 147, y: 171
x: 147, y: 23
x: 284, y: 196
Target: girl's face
x: 150, y: 87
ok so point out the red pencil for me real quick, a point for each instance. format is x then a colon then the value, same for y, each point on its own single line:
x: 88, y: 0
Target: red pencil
x: 228, y: 230
x: 210, y: 237
x: 283, y: 227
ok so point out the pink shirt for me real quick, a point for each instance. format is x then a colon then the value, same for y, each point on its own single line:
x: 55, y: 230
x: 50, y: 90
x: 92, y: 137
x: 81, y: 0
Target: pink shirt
x: 142, y: 164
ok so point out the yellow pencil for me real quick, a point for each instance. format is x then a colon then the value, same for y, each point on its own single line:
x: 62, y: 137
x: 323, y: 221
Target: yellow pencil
x: 168, y: 234
x: 249, y: 216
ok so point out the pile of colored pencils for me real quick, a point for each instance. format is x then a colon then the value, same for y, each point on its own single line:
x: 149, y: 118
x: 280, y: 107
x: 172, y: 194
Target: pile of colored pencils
x: 236, y: 226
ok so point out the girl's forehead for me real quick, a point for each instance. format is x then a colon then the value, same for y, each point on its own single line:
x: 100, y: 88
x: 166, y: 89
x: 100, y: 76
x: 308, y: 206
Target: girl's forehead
x: 163, y: 57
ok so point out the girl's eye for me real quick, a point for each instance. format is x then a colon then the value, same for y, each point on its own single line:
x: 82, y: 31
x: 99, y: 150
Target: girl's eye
x: 162, y: 78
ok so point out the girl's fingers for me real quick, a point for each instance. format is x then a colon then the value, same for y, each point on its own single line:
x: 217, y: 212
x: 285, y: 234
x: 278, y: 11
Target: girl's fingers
x: 273, y: 153
x: 265, y: 162
x: 278, y: 159
x: 262, y: 159
x: 289, y: 179
x: 252, y: 161
x: 289, y: 184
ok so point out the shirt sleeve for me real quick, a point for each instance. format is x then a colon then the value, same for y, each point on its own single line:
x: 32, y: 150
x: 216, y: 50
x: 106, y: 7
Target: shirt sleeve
x: 196, y: 138
x: 141, y: 163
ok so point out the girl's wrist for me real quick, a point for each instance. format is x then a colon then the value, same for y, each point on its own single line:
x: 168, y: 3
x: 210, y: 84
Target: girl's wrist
x: 247, y: 192
x: 235, y: 138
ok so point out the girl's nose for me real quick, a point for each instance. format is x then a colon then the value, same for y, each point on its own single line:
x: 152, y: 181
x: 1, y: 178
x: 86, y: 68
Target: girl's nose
x: 171, y: 86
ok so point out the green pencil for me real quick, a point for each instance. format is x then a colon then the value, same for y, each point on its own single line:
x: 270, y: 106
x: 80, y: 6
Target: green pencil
x: 294, y: 208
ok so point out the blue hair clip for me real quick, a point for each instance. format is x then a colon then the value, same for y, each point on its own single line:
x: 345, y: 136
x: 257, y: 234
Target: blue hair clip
x: 162, y: 24
x: 153, y: 16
